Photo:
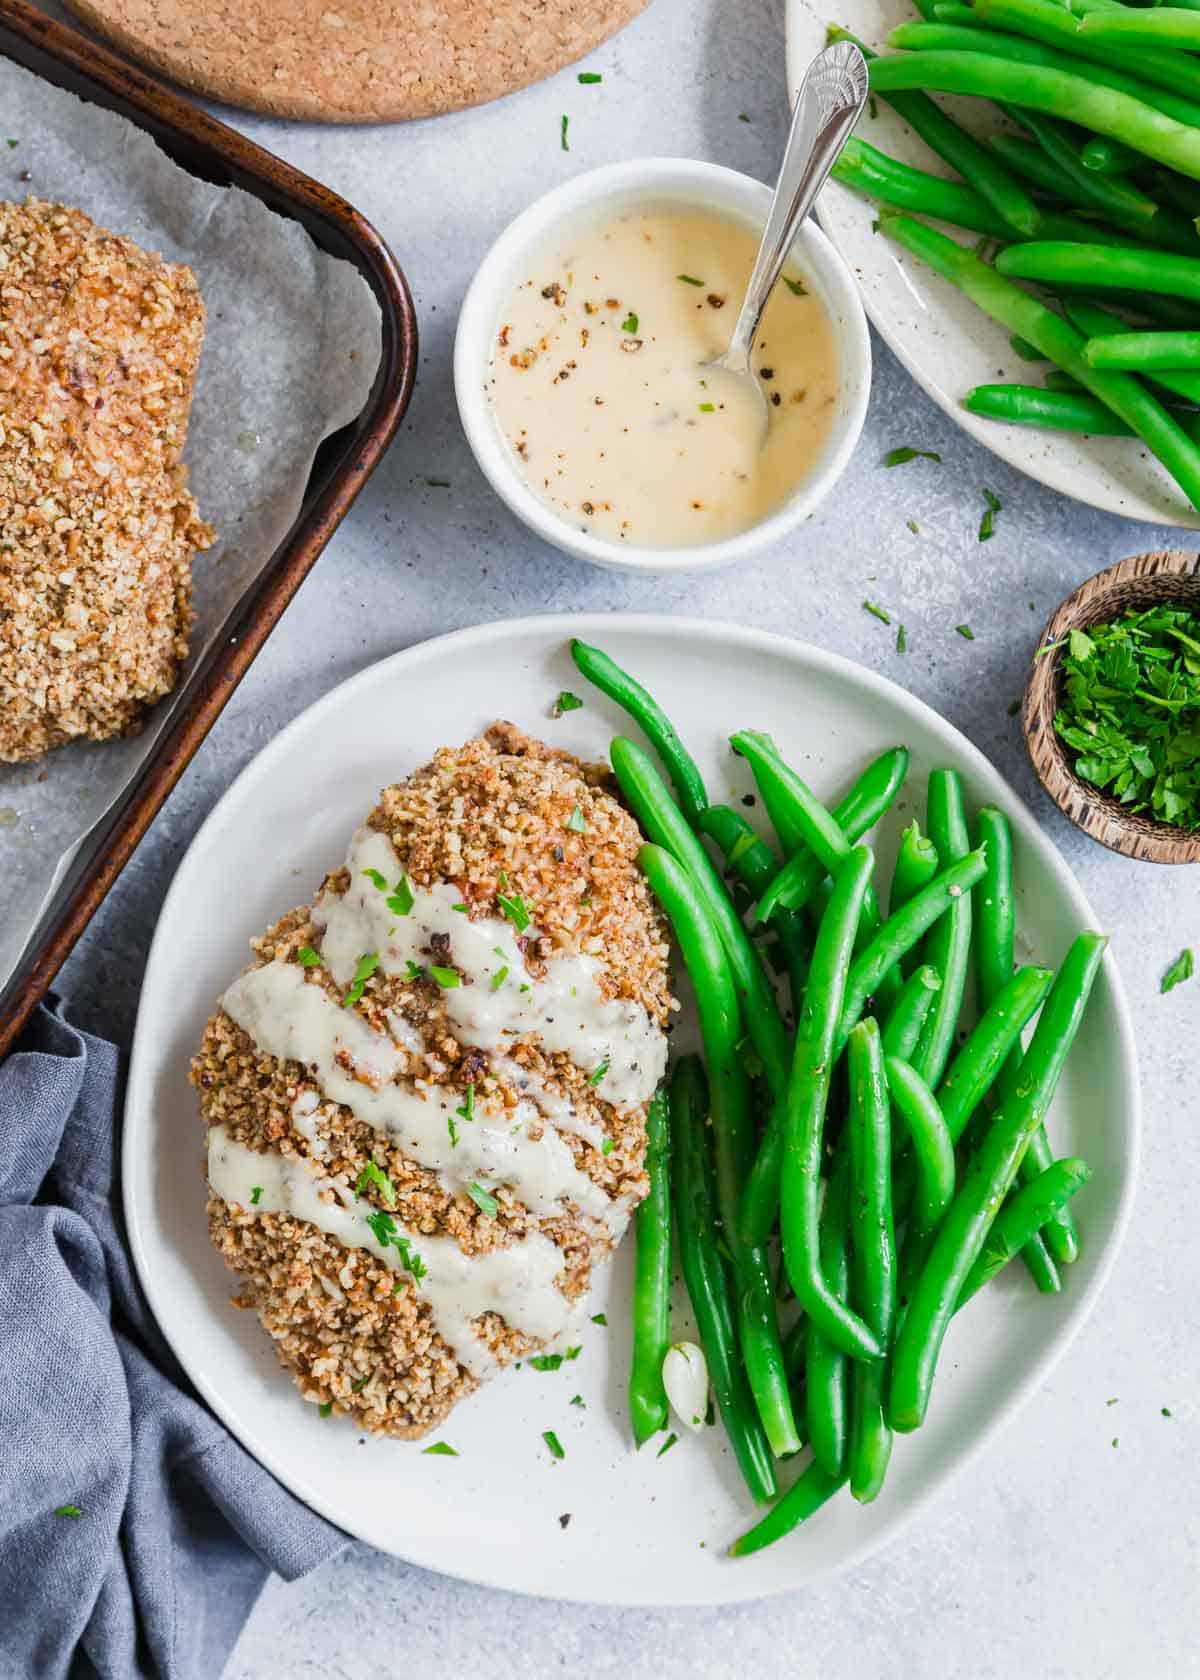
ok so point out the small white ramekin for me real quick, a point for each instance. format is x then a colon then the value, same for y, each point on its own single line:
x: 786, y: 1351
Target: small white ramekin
x: 586, y: 200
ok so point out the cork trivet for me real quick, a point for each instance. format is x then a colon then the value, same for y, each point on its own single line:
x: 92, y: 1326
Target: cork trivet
x: 356, y: 60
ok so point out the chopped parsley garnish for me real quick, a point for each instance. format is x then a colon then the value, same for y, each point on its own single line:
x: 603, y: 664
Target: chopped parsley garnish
x: 575, y: 822
x: 498, y: 979
x: 987, y: 524
x: 796, y: 287
x: 383, y: 1225
x: 589, y: 78
x: 913, y: 527
x: 553, y: 1442
x: 566, y: 702
x: 463, y: 909
x: 386, y: 1231
x: 453, y: 1131
x: 966, y: 632
x: 545, y: 1361
x: 367, y: 964
x: 876, y: 611
x: 325, y: 1408
x: 742, y: 117
x: 578, y: 1400
x: 438, y: 483
x: 466, y: 1110
x: 357, y: 1387
x: 1180, y: 970
x: 61, y: 1510
x: 1164, y: 1410
x: 901, y: 640
x: 898, y: 457
x: 440, y: 1449
x: 596, y: 1077
x: 12, y: 143
x: 483, y: 1199
x: 447, y: 978
x: 573, y: 1353
x: 667, y: 1444
x: 630, y: 323
x: 562, y: 133
x: 376, y: 879
x: 513, y: 906
x: 707, y: 408
x: 689, y: 280
x: 256, y: 1195
x: 400, y: 901
x: 374, y: 1177
x: 1131, y: 710
x: 307, y: 957
x: 607, y: 1147
x: 599, y: 1318
x: 413, y: 971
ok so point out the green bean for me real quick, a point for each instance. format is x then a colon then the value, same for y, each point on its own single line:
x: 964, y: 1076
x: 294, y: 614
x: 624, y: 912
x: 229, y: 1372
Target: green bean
x: 1056, y: 380
x: 1019, y: 312
x: 1030, y: 405
x: 995, y: 911
x: 1114, y: 197
x: 989, y: 1045
x: 1055, y: 92
x: 948, y: 946
x: 916, y: 865
x: 1053, y: 24
x: 902, y: 1028
x: 858, y: 812
x: 875, y: 175
x: 900, y: 933
x: 795, y: 1350
x: 827, y: 1379
x: 1170, y: 26
x: 964, y: 1230
x: 1095, y: 322
x: 1027, y: 352
x: 707, y: 1285
x: 652, y: 1280
x: 1057, y: 262
x: 1144, y: 352
x: 662, y: 822
x: 874, y: 1247
x: 808, y: 1095
x: 802, y: 1500
x: 1109, y: 157
x: 932, y: 1144
x: 960, y: 150
x: 729, y: 1101
x: 650, y: 718
x: 750, y: 858
x: 1022, y: 1217
x: 963, y: 34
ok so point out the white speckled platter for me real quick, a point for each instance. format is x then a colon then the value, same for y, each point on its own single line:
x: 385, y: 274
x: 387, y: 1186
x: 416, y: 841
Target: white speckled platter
x: 944, y: 341
x: 642, y: 1530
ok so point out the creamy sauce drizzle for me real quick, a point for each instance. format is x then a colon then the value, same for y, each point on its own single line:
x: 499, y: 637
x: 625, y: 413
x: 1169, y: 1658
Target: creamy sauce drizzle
x: 597, y: 385
x: 518, y: 1282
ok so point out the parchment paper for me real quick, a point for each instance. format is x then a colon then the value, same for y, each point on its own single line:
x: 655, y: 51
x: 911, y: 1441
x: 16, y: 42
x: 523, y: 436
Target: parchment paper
x: 291, y: 349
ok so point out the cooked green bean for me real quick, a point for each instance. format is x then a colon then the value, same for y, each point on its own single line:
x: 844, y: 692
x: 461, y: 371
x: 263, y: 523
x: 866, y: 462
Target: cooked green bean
x: 808, y: 1094
x: 704, y: 1274
x: 1054, y: 92
x: 1022, y: 1217
x: 1170, y: 26
x: 1046, y: 21
x: 948, y: 946
x: 995, y: 1037
x: 1023, y: 314
x: 902, y: 1028
x: 932, y: 1144
x: 991, y: 1175
x: 649, y: 716
x: 1144, y: 352
x: 977, y: 166
x: 858, y: 812
x: 652, y: 1280
x: 995, y: 910
x: 729, y: 1102
x: 1094, y: 322
x: 1059, y: 262
x: 794, y: 1356
x: 1109, y: 157
x: 802, y: 1500
x: 900, y: 933
x: 874, y: 1248
x: 916, y: 865
x: 1165, y: 227
x: 753, y: 862
x: 826, y: 1374
x: 962, y: 34
x: 1056, y: 411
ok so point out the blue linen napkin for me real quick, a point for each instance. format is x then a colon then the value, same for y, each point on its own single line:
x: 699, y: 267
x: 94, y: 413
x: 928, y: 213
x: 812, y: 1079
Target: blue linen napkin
x: 177, y: 1526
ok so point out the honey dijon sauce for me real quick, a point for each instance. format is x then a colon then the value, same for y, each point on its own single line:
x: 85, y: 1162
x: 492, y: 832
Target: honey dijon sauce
x: 597, y: 385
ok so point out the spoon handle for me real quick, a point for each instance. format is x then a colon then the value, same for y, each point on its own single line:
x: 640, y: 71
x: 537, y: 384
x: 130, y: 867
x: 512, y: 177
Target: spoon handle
x: 830, y: 101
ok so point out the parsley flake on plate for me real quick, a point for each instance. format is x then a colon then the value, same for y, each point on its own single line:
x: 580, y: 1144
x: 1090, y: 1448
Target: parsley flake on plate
x: 64, y: 1510
x: 325, y: 1408
x: 440, y: 1449
x: 256, y: 1195
x: 600, y: 1318
x: 513, y: 906
x: 447, y: 978
x: 307, y: 957
x: 367, y: 964
x: 376, y: 879
x: 374, y: 1177
x: 877, y: 611
x: 589, y: 78
x: 483, y: 1199
x: 498, y: 979
x: 562, y: 133
x: 905, y: 453
x: 667, y: 1444
x: 595, y: 1078
x: 966, y: 632
x: 566, y: 702
x: 1180, y: 970
x: 401, y: 900
x: 545, y: 1361
x: 553, y: 1442
x: 987, y: 525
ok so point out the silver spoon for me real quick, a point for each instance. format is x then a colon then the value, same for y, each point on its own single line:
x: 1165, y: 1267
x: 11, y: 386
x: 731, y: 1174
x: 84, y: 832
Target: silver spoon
x: 830, y: 102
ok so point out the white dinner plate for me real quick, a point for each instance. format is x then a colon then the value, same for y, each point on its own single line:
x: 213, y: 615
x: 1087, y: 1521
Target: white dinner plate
x: 642, y: 1529
x: 945, y: 342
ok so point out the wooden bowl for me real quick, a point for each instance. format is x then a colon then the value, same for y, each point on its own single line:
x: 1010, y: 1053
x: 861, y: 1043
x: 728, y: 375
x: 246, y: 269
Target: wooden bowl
x: 1171, y: 575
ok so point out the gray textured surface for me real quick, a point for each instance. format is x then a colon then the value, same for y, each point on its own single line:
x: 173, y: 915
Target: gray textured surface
x: 1062, y: 1552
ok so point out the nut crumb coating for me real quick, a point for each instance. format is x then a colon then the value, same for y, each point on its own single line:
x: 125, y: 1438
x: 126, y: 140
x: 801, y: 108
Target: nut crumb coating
x: 99, y: 345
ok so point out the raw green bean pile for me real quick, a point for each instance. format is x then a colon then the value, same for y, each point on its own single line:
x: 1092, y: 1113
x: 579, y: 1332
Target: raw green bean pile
x: 844, y: 1174
x: 1085, y: 181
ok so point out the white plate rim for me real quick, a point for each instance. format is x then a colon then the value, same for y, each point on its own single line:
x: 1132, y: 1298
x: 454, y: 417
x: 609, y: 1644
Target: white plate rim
x: 1005, y: 442
x: 135, y: 1131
